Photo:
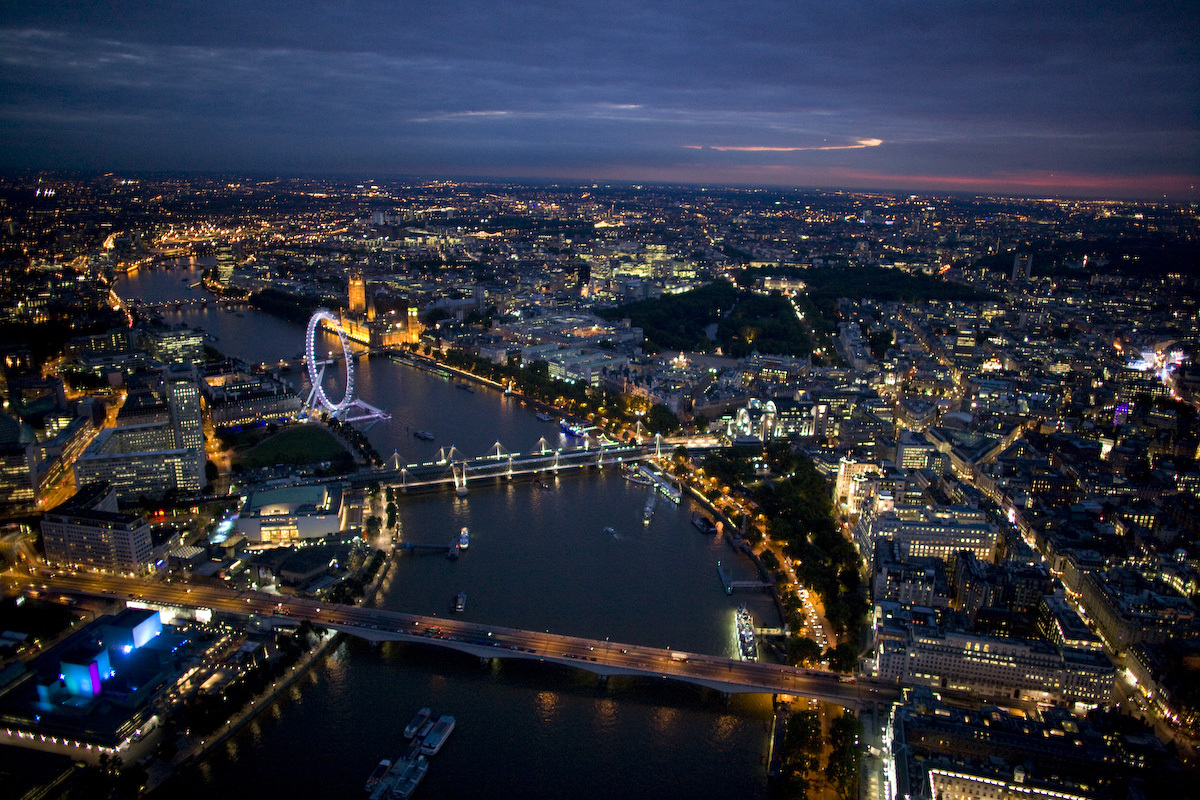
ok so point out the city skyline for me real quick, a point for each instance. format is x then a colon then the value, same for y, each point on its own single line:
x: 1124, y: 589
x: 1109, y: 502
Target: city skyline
x: 1096, y: 101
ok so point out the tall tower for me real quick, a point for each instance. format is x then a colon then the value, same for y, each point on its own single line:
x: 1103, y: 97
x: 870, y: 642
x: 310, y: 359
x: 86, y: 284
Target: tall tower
x: 226, y: 261
x: 413, y: 327
x: 1022, y: 267
x: 358, y: 293
x: 183, y: 399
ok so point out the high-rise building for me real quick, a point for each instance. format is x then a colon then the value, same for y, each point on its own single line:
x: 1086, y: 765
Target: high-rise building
x: 160, y: 450
x: 183, y: 399
x: 1022, y: 267
x: 141, y: 460
x: 181, y: 345
x: 88, y: 530
x: 227, y: 259
x: 18, y: 465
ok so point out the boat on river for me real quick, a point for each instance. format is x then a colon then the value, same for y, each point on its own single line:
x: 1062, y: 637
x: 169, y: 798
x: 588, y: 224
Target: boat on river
x: 437, y: 737
x: 572, y: 429
x: 425, y: 436
x: 460, y: 601
x: 747, y: 647
x: 381, y: 769
x: 418, y: 722
x: 464, y: 538
x: 406, y: 784
x: 634, y: 475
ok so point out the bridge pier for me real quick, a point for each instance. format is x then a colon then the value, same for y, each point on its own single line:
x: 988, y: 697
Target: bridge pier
x: 602, y: 681
x: 485, y: 661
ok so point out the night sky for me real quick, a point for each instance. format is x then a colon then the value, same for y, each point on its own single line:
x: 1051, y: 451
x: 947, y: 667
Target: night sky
x: 1078, y: 99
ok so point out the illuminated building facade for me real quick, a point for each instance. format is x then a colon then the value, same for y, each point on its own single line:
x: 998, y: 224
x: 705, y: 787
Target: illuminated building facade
x: 88, y: 530
x: 289, y: 515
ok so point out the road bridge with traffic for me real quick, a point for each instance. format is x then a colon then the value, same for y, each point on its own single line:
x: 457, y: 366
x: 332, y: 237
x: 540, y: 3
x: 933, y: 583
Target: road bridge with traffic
x: 601, y: 657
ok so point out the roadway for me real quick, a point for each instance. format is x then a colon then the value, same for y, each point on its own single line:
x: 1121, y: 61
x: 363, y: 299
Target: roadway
x: 601, y: 657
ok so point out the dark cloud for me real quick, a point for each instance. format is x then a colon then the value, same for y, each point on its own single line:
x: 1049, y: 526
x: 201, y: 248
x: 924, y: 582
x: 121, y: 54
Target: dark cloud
x: 643, y: 91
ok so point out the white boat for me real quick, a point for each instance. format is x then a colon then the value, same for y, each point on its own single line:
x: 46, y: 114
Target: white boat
x: 464, y: 538
x: 437, y: 737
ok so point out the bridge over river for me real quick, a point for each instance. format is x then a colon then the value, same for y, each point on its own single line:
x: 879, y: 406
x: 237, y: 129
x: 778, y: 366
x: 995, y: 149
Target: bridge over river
x: 602, y: 657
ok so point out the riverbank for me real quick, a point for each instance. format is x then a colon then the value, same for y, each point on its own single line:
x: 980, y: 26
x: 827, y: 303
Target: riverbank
x: 197, y: 748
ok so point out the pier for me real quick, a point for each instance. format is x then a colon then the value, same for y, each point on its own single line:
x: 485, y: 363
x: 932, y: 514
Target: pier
x: 415, y: 548
x: 730, y: 584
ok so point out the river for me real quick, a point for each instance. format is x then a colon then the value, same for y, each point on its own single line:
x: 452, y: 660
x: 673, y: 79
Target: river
x: 539, y: 559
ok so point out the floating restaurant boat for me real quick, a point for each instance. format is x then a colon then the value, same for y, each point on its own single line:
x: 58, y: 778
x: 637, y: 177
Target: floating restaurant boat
x: 634, y: 475
x: 572, y: 429
x: 747, y: 646
x: 543, y: 416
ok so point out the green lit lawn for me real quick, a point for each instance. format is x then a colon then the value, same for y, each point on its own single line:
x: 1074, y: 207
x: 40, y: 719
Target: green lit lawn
x: 302, y: 444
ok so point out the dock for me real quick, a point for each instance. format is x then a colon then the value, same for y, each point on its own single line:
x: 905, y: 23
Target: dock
x: 730, y: 584
x: 415, y: 548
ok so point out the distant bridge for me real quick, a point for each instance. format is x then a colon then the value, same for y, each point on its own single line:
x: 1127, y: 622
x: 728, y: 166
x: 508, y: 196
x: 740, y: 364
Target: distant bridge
x: 499, y: 464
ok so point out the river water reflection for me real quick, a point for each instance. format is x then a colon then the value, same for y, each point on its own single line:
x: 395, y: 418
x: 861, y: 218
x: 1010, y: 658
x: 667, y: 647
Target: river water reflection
x: 540, y: 558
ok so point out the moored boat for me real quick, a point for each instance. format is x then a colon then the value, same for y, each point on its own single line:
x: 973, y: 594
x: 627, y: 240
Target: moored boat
x: 406, y: 784
x: 747, y: 647
x: 572, y: 429
x: 380, y: 770
x: 418, y: 722
x: 437, y: 737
